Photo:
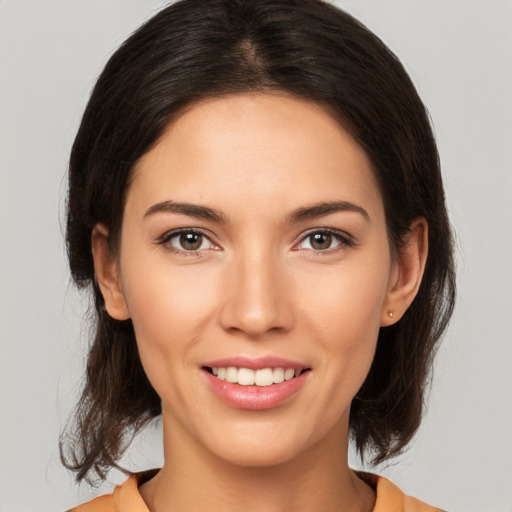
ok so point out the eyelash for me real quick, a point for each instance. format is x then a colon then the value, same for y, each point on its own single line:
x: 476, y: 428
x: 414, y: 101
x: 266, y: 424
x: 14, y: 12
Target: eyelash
x: 345, y: 241
x: 167, y: 237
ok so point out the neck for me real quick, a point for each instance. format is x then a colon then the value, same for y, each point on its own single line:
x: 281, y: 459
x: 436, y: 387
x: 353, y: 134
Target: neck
x: 194, y: 479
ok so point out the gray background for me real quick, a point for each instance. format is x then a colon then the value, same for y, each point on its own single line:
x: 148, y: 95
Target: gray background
x: 459, y: 55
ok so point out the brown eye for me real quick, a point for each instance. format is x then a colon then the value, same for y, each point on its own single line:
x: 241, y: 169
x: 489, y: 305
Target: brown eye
x: 320, y: 241
x: 187, y: 241
x: 190, y: 241
x: 324, y: 240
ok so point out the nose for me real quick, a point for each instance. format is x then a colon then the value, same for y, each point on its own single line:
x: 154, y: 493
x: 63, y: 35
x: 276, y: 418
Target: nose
x: 256, y: 297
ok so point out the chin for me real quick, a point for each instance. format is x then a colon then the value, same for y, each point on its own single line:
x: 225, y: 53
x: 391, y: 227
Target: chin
x: 262, y: 445
x: 240, y: 454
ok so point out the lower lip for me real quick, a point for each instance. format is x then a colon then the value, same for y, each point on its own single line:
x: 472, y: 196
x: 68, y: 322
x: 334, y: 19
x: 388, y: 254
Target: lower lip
x: 255, y: 397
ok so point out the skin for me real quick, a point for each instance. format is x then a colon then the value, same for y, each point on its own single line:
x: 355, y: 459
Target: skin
x: 257, y: 287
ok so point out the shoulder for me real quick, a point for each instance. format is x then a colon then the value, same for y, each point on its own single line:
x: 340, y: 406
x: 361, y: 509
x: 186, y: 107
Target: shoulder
x: 125, y: 498
x: 390, y: 497
x: 101, y: 504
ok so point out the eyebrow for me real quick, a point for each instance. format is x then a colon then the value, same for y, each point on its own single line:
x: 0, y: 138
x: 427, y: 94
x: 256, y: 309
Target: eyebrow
x: 300, y: 214
x: 325, y: 208
x: 191, y: 210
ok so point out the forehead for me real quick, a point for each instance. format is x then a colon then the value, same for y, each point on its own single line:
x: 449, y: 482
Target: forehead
x: 259, y: 148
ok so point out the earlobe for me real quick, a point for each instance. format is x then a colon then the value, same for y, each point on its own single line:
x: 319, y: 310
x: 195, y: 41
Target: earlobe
x: 107, y: 274
x: 407, y: 273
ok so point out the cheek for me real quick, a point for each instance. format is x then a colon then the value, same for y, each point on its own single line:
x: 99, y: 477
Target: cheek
x: 344, y: 314
x: 169, y: 310
x: 347, y: 303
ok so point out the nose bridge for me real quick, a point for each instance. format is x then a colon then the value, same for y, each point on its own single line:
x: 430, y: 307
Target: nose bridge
x: 256, y: 300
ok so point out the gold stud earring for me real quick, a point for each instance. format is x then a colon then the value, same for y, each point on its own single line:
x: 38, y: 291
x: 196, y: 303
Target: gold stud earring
x: 390, y: 314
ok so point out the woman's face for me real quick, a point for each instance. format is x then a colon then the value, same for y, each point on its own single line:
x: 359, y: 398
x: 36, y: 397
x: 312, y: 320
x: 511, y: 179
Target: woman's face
x: 254, y: 237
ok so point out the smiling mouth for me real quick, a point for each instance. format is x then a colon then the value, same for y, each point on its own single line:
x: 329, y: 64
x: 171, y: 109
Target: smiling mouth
x: 248, y: 377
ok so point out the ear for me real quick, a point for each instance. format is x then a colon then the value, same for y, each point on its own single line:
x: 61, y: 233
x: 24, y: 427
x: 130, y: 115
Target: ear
x: 107, y: 274
x: 406, y: 274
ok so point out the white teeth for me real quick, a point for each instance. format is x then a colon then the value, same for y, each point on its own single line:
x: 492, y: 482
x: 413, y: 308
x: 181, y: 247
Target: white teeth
x: 231, y: 374
x: 245, y: 377
x: 262, y: 377
x: 278, y: 375
x: 289, y: 373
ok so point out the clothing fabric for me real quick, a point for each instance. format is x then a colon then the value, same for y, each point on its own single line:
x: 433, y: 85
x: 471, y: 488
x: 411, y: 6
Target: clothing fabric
x: 126, y: 497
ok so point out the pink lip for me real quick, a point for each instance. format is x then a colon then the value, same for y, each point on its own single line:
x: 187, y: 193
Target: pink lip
x: 255, y: 397
x: 256, y: 363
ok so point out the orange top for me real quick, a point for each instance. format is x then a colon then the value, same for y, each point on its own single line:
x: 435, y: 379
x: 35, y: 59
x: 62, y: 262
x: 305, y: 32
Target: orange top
x: 126, y: 498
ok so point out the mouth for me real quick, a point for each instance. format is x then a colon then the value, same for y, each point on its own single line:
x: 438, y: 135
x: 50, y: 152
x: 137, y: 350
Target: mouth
x: 262, y: 377
x: 256, y: 383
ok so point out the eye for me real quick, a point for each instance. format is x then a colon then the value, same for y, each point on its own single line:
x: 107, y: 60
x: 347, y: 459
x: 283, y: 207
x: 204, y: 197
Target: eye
x: 187, y: 241
x: 323, y: 240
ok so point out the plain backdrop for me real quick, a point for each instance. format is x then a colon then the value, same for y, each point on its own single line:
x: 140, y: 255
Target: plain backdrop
x: 459, y: 54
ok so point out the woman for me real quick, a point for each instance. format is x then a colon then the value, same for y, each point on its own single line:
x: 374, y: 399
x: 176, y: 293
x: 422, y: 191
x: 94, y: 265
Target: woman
x: 256, y: 201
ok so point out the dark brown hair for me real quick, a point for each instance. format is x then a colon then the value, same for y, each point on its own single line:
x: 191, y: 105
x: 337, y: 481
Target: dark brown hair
x: 307, y: 49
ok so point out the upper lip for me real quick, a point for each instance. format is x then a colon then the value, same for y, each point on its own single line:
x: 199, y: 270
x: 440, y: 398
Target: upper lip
x: 255, y: 363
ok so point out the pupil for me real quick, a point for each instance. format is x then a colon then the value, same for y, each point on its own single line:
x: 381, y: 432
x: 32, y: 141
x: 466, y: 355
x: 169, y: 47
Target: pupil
x: 321, y: 241
x: 190, y: 241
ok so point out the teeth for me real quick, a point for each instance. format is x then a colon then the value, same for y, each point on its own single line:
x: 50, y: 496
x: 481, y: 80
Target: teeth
x: 245, y: 377
x: 231, y: 374
x: 289, y: 373
x: 262, y: 377
x: 278, y: 375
